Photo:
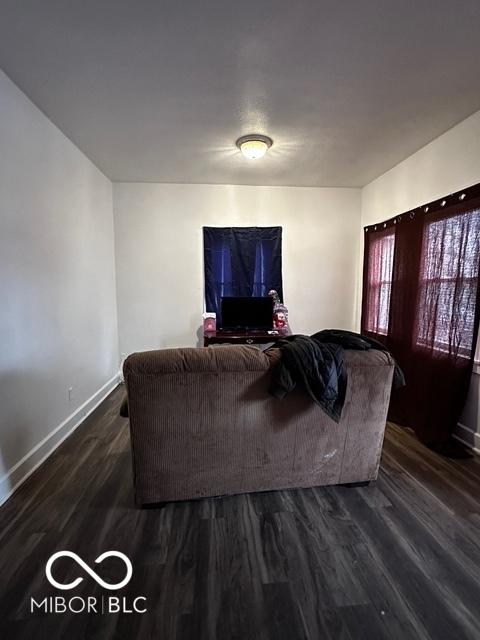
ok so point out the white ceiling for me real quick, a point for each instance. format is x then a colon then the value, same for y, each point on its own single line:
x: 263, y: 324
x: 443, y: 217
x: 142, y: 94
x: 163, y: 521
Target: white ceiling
x: 159, y: 90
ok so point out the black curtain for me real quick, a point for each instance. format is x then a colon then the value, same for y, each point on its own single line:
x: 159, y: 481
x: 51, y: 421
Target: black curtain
x: 421, y: 298
x: 241, y: 261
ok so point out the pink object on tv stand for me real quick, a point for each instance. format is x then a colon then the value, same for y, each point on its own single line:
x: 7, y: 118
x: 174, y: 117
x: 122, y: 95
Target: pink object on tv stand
x: 209, y: 325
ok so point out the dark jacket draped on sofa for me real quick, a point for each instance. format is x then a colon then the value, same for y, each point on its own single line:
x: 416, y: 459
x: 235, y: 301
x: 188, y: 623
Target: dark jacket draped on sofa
x: 317, y: 363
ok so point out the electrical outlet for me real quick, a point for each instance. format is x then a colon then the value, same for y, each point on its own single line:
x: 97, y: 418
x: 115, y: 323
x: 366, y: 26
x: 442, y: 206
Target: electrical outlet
x: 70, y: 394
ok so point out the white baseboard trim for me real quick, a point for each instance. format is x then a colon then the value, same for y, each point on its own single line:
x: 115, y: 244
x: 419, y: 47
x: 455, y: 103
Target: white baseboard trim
x: 36, y: 456
x: 468, y: 437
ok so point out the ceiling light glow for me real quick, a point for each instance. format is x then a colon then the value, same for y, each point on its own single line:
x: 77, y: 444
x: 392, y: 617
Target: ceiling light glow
x: 254, y: 146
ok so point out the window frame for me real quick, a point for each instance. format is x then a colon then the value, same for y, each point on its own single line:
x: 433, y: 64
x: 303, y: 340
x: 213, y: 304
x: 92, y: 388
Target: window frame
x: 441, y: 346
x: 375, y: 287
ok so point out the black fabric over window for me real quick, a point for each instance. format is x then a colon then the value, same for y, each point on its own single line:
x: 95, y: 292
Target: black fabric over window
x: 241, y: 261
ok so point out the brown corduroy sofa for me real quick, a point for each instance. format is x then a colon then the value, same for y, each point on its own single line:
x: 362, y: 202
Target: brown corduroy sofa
x: 203, y: 424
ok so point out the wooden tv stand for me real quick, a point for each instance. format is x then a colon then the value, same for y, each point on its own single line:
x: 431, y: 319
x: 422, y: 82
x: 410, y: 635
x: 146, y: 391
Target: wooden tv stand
x: 242, y: 337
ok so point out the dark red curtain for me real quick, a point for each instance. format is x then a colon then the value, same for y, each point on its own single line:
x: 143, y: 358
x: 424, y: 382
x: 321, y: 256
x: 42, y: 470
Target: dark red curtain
x: 421, y: 298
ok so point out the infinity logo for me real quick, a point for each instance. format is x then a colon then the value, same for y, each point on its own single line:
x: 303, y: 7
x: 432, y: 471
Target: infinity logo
x: 86, y: 568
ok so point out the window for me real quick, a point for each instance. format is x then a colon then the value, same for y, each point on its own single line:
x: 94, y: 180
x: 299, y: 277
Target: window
x: 421, y: 299
x: 448, y: 285
x: 241, y: 261
x: 379, y: 282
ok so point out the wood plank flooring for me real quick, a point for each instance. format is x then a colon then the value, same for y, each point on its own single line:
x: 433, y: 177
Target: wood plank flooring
x: 398, y: 559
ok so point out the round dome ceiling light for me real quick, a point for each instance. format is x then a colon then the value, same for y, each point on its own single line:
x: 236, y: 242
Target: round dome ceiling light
x: 254, y: 146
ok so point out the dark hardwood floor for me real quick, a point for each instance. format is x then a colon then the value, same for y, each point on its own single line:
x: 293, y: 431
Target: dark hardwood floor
x: 398, y: 559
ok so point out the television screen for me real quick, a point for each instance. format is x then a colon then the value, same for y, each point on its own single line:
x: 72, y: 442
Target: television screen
x: 247, y: 313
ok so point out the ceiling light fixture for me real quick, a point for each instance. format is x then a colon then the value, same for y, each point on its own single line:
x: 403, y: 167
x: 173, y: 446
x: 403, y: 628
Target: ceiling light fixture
x: 254, y: 146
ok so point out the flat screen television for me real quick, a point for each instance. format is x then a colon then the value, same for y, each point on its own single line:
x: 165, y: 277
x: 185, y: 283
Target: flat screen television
x: 247, y: 313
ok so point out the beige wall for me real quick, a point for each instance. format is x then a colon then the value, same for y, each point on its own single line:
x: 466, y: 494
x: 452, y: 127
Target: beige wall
x: 159, y: 254
x: 448, y: 164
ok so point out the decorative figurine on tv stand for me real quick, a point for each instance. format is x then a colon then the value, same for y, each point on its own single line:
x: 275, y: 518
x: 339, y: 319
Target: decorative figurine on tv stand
x: 280, y: 313
x: 209, y: 322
